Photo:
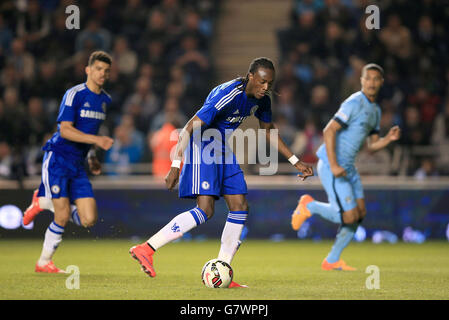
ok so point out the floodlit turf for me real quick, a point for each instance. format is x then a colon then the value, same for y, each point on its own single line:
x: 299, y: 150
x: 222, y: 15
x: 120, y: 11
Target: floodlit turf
x: 288, y: 270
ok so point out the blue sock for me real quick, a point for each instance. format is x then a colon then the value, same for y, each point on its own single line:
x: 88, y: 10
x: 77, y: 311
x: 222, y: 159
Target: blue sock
x: 325, y: 210
x: 344, y: 236
x: 75, y: 218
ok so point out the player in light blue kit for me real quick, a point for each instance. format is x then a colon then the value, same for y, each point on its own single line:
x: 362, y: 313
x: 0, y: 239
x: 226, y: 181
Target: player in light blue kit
x: 65, y: 188
x: 357, y: 119
x: 206, y: 180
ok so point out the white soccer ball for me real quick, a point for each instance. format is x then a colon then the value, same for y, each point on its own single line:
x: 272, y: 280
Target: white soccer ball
x: 217, y: 274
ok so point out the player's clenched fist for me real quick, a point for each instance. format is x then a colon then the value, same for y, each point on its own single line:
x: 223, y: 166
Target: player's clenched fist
x: 104, y: 142
x: 172, y: 177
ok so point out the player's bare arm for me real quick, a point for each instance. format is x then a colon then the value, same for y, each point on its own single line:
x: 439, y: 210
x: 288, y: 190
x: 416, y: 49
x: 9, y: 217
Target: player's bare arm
x: 304, y: 169
x: 171, y: 179
x: 329, y: 134
x: 375, y: 143
x: 69, y: 132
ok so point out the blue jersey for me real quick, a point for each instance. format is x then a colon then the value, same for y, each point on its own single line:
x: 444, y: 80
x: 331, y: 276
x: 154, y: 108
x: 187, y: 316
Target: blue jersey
x: 227, y: 106
x: 87, y: 111
x: 359, y: 118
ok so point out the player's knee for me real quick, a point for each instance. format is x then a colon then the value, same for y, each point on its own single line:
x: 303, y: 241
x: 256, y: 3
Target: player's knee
x: 239, y: 206
x: 88, y: 221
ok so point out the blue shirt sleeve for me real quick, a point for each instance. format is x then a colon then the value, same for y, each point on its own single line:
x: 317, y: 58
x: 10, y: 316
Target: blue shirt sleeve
x: 263, y: 113
x: 343, y: 115
x: 68, y: 109
x: 215, y: 102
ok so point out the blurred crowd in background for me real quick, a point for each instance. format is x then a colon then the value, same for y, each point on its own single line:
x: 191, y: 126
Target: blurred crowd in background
x: 163, y: 70
x: 322, y: 54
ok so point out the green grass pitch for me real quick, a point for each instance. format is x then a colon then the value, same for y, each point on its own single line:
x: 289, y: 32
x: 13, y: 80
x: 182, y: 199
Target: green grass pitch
x: 288, y: 270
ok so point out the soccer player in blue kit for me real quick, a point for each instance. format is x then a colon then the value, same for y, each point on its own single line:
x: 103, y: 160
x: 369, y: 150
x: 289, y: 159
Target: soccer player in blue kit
x: 65, y: 188
x: 356, y: 121
x: 225, y: 108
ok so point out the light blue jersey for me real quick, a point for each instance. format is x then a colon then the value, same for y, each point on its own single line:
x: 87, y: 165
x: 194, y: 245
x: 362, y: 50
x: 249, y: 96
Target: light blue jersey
x: 359, y: 118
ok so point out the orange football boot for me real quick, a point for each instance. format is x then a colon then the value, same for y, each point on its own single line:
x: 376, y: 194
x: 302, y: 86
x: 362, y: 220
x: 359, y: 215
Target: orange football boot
x: 48, y: 268
x: 144, y: 254
x: 236, y: 285
x: 339, y: 265
x: 33, y: 210
x: 301, y: 212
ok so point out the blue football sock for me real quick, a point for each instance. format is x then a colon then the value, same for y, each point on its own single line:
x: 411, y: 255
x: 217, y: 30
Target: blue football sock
x: 325, y: 210
x: 344, y: 236
x: 75, y: 218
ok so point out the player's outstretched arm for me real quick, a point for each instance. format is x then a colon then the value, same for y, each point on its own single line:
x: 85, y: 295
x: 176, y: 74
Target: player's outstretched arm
x: 171, y: 179
x: 375, y: 143
x: 69, y: 132
x: 304, y: 169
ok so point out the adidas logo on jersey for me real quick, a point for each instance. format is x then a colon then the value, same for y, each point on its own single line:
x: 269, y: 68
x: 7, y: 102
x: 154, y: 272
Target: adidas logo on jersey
x: 236, y: 112
x: 87, y: 105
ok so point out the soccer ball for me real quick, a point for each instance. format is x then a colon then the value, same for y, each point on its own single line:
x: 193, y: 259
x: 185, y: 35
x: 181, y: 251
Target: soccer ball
x: 217, y: 274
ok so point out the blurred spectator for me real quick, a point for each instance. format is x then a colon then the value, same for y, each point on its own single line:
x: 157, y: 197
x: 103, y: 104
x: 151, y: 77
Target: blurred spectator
x: 134, y: 17
x: 6, y: 37
x: 156, y: 28
x: 285, y: 104
x: 5, y: 159
x: 40, y: 59
x: 333, y: 47
x: 33, y: 26
x: 426, y: 170
x: 60, y: 41
x: 125, y: 58
x: 142, y: 103
x: 440, y: 139
x: 173, y: 14
x: 22, y: 60
x: 319, y: 109
x: 351, y: 80
x: 307, y: 141
x: 398, y: 42
x: 93, y: 37
x: 170, y: 113
x: 155, y: 56
x: 427, y: 104
x: 286, y: 130
x: 128, y: 147
x: 162, y: 144
x: 412, y: 133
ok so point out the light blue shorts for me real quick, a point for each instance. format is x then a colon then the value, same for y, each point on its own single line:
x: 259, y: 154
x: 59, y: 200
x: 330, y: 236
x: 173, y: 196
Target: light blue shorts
x: 342, y: 192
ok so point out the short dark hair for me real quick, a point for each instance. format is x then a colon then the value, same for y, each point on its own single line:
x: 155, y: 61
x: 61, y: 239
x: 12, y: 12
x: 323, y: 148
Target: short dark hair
x: 373, y: 66
x: 261, y: 62
x: 100, y: 56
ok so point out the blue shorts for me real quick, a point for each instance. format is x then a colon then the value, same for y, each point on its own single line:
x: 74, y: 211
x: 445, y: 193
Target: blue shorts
x: 342, y: 192
x: 64, y: 178
x: 211, y: 179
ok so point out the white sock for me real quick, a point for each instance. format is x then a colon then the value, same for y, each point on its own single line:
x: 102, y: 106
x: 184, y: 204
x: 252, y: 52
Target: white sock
x: 230, y: 238
x: 179, y: 225
x: 47, y: 204
x: 53, y: 237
